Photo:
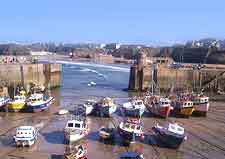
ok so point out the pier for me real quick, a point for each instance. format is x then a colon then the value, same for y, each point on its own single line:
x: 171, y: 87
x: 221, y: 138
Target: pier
x: 166, y: 75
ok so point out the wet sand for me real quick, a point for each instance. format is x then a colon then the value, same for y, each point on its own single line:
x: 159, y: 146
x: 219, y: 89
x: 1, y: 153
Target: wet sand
x: 206, y: 135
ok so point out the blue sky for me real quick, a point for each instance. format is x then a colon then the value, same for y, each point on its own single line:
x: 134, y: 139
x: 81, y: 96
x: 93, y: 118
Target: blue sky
x: 126, y: 21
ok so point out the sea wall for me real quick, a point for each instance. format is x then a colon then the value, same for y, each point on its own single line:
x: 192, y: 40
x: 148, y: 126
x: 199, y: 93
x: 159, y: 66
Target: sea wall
x: 48, y: 75
x: 165, y: 78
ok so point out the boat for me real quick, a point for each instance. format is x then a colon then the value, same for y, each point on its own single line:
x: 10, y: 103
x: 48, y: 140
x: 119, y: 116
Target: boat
x: 75, y: 152
x: 75, y: 130
x: 63, y: 111
x: 4, y: 101
x: 106, y: 107
x: 131, y: 130
x: 106, y: 133
x: 88, y: 106
x: 160, y: 106
x: 131, y: 155
x: 200, y: 104
x: 38, y: 102
x: 18, y: 103
x: 134, y: 108
x: 171, y: 134
x: 25, y: 136
x: 183, y: 107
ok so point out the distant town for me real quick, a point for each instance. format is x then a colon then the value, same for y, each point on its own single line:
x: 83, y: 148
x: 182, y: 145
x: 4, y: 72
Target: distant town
x: 197, y: 51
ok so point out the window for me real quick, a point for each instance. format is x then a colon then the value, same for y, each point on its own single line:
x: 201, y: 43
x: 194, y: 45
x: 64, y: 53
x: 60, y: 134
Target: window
x: 132, y: 126
x: 77, y: 125
x: 70, y: 125
x: 138, y: 128
x: 127, y: 126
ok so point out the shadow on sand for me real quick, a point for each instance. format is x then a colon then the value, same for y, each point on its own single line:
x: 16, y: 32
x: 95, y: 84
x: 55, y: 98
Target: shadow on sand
x: 55, y: 137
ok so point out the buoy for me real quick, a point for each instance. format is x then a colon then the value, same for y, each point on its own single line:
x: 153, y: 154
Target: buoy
x: 142, y: 137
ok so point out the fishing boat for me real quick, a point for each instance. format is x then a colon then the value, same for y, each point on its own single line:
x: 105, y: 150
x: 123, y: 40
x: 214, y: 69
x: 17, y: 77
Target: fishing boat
x: 106, y: 133
x: 131, y: 155
x: 88, y: 106
x: 183, y: 107
x: 75, y: 130
x: 38, y: 102
x: 18, y: 103
x: 106, y: 107
x: 160, y: 106
x: 171, y: 134
x: 200, y: 104
x: 3, y: 102
x: 25, y: 136
x: 134, y: 108
x: 131, y: 130
x: 75, y: 152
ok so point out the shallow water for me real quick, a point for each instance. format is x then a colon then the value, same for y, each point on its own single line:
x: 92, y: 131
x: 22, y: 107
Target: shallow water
x: 206, y: 136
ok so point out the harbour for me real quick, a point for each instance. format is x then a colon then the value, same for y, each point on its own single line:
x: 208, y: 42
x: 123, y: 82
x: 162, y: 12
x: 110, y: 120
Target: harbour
x: 205, y: 135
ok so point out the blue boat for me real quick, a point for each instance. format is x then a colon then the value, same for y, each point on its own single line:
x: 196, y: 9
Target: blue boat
x: 131, y: 130
x: 135, y: 108
x: 4, y: 101
x: 106, y: 107
x: 171, y: 135
x: 38, y: 102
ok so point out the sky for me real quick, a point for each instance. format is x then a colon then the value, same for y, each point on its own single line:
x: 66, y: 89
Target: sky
x: 153, y: 22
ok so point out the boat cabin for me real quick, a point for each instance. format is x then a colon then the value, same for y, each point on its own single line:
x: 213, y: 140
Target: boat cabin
x: 186, y: 104
x: 137, y: 102
x: 132, y: 125
x: 164, y: 101
x: 201, y: 100
x: 25, y: 133
x: 19, y: 98
x: 175, y: 128
x: 36, y: 97
x: 76, y: 124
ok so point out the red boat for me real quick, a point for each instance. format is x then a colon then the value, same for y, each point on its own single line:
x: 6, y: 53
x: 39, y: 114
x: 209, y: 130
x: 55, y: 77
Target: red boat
x: 159, y: 106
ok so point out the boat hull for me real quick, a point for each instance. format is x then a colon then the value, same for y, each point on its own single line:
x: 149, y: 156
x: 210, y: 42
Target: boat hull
x: 16, y: 107
x: 39, y: 107
x: 186, y: 112
x: 201, y: 109
x: 129, y: 136
x: 71, y: 137
x: 160, y: 111
x: 168, y: 139
x: 3, y: 103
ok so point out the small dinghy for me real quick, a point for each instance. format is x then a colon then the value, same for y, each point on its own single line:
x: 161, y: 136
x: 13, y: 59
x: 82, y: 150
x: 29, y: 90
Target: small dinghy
x: 106, y: 133
x: 172, y: 135
x: 88, y: 106
x: 131, y: 155
x: 25, y: 136
x: 63, y: 111
x: 75, y: 130
x: 75, y: 152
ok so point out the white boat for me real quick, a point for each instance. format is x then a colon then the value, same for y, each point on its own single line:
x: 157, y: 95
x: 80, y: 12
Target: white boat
x: 88, y: 106
x: 134, y: 108
x: 200, y: 104
x: 25, y: 136
x: 170, y: 134
x: 63, y: 111
x: 38, y: 102
x: 131, y: 130
x: 18, y: 103
x: 75, y: 130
